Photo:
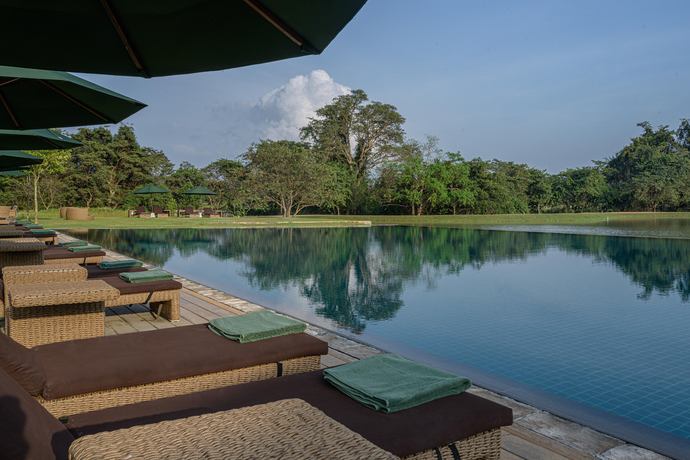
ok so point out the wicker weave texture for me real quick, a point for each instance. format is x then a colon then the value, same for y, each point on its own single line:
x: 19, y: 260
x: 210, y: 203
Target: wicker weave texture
x: 286, y: 429
x: 48, y: 294
x: 39, y: 273
x: 8, y: 259
x: 129, y: 395
x: 82, y: 261
x: 57, y: 323
x: 482, y: 446
x: 169, y: 302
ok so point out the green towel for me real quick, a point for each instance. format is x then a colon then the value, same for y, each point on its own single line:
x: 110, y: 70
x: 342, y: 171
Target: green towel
x: 42, y: 232
x: 391, y: 383
x: 85, y: 248
x: 116, y: 264
x: 32, y: 226
x: 149, y: 275
x: 258, y: 325
x: 71, y: 244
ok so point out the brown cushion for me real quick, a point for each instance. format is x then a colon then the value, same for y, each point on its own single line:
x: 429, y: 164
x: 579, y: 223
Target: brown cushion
x: 27, y: 430
x: 403, y: 433
x: 137, y: 288
x: 51, y: 253
x: 83, y: 366
x: 97, y: 272
x: 22, y: 365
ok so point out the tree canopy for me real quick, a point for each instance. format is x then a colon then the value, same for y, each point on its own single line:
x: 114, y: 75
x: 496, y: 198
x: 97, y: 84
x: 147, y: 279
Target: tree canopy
x: 354, y: 156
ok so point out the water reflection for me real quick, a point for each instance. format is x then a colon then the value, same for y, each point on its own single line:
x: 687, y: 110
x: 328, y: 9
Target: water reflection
x: 353, y: 276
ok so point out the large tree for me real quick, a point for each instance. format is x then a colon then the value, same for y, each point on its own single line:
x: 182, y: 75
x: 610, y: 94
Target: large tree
x: 290, y: 175
x: 54, y: 162
x: 359, y: 133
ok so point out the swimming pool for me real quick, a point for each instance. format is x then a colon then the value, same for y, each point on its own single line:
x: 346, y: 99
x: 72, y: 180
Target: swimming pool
x: 581, y: 324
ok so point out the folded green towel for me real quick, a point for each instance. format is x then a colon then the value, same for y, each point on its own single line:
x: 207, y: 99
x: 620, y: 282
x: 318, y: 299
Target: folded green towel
x: 42, y: 232
x: 71, y: 244
x: 259, y: 325
x: 116, y: 264
x: 32, y: 226
x: 391, y: 383
x: 85, y: 248
x: 150, y: 275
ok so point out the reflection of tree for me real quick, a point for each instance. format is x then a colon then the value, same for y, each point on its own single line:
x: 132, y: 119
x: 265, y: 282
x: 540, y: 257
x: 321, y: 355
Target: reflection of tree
x: 657, y: 265
x: 356, y: 275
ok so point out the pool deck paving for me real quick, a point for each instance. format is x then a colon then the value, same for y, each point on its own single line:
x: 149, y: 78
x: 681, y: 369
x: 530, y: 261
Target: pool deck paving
x: 534, y: 435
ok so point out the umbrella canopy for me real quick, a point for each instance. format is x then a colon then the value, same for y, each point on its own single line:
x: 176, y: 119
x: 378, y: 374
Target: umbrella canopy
x: 13, y: 173
x: 151, y: 189
x: 31, y: 98
x: 35, y: 139
x: 199, y: 190
x: 14, y: 159
x: 131, y: 37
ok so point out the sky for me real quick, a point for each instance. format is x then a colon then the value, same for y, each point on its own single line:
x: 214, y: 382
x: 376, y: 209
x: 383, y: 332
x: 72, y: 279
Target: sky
x: 552, y: 83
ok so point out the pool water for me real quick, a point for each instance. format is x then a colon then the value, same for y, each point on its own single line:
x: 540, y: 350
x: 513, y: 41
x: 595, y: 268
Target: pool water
x: 601, y: 322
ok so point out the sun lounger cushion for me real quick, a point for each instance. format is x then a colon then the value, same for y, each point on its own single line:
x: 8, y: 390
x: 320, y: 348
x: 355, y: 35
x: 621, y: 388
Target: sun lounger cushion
x: 436, y: 423
x: 62, y: 253
x: 27, y: 430
x: 22, y: 365
x: 83, y: 366
x: 137, y: 288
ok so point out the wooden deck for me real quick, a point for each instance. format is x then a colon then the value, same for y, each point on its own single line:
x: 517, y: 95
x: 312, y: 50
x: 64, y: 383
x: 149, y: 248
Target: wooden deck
x: 519, y: 443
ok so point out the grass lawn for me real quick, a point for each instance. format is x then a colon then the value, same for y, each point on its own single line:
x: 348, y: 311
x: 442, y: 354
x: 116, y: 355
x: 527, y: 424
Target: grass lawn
x: 119, y: 219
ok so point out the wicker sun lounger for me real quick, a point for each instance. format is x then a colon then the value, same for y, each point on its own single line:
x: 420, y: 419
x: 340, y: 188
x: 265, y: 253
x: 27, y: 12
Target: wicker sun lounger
x: 94, y: 271
x: 463, y: 426
x: 57, y: 255
x: 289, y: 429
x: 31, y: 251
x: 162, y: 297
x: 91, y: 374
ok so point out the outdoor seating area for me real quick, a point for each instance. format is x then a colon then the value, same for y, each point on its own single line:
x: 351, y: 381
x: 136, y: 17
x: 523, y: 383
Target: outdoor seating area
x: 71, y: 372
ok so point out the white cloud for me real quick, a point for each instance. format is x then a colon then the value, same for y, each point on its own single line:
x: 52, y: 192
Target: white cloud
x: 281, y: 113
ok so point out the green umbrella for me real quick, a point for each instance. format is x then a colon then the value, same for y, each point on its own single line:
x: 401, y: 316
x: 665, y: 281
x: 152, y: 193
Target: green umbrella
x: 14, y: 173
x: 14, y: 159
x: 199, y: 190
x: 31, y: 98
x: 151, y: 189
x: 35, y: 139
x: 144, y: 38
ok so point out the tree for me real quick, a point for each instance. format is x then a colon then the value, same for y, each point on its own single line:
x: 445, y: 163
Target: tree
x: 183, y: 178
x: 357, y: 133
x: 54, y: 162
x: 228, y: 179
x: 651, y: 172
x: 107, y: 167
x: 290, y: 175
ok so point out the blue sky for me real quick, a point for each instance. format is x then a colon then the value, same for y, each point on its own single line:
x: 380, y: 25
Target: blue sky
x: 555, y: 83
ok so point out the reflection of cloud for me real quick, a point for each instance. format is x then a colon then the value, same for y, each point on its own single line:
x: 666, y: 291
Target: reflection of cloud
x: 286, y: 109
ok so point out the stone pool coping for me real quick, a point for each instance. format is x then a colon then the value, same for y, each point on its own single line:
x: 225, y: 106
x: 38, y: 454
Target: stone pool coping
x: 562, y: 436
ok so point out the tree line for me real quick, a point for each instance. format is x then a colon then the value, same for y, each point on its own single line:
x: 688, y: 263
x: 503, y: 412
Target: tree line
x: 353, y: 157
